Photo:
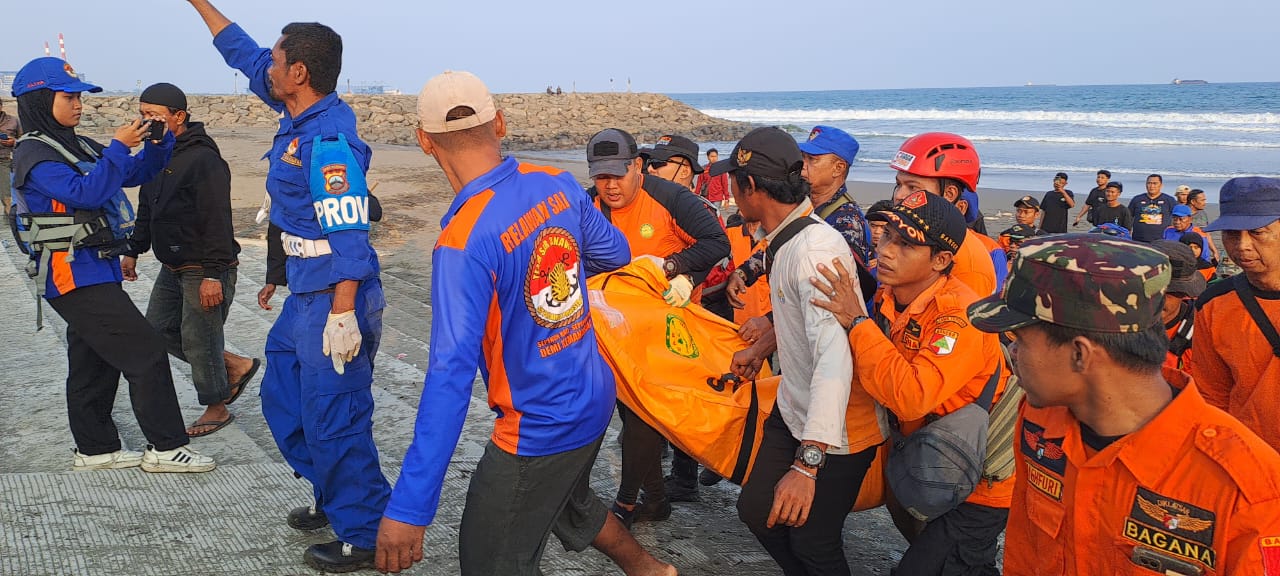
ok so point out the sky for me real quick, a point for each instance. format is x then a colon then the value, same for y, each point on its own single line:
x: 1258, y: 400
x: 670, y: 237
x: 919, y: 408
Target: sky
x: 676, y: 47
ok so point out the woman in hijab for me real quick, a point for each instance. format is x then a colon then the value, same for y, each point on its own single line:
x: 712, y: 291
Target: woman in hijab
x: 56, y: 173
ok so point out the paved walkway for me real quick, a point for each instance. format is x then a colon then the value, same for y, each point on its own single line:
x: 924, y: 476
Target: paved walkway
x: 231, y: 521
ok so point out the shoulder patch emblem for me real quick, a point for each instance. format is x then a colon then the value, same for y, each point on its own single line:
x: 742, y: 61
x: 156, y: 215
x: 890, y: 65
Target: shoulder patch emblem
x: 553, y: 287
x: 942, y: 342
x: 1270, y: 555
x: 679, y: 340
x: 335, y: 178
x: 958, y: 321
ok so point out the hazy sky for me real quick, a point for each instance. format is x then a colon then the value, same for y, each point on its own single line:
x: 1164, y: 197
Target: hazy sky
x: 695, y: 46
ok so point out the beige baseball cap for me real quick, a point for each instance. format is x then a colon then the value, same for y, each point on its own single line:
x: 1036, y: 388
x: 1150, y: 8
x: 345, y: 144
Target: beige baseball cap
x: 450, y: 90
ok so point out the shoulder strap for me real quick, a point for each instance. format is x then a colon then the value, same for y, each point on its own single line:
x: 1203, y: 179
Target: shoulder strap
x: 785, y: 235
x: 989, y: 391
x: 1181, y: 340
x: 1259, y: 317
x: 841, y: 200
x: 59, y: 148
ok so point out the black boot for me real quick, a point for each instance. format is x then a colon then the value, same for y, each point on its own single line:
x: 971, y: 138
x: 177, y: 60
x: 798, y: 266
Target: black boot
x: 307, y: 518
x: 652, y: 510
x: 338, y: 556
x: 709, y: 478
x: 682, y: 483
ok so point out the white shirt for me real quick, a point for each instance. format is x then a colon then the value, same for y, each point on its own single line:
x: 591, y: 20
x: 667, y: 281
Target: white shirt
x: 813, y: 349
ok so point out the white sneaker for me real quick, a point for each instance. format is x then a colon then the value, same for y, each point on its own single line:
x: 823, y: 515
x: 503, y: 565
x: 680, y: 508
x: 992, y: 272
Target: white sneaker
x: 109, y: 461
x: 180, y: 459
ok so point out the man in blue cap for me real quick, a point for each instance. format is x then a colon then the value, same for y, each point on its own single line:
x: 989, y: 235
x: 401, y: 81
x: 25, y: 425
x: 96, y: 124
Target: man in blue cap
x: 1182, y: 224
x: 828, y: 155
x: 1236, y: 359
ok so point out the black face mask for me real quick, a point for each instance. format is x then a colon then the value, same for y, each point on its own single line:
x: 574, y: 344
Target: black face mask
x: 35, y: 113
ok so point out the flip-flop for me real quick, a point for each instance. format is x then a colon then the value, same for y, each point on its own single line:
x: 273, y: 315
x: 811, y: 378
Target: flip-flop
x: 243, y: 382
x: 217, y: 425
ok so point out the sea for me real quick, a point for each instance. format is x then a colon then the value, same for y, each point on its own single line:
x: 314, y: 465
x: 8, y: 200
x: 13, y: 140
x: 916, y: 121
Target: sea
x: 1200, y: 135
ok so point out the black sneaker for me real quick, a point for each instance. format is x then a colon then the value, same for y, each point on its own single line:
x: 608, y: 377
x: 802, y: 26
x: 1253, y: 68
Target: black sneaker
x: 338, y: 556
x: 626, y: 517
x: 709, y: 478
x: 307, y: 518
x: 652, y: 511
x: 681, y: 489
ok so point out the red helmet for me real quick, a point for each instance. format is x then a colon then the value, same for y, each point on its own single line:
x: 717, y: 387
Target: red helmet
x: 940, y: 155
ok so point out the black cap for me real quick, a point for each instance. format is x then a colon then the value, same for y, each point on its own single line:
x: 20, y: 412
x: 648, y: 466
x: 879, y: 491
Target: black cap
x: 1186, y: 280
x: 673, y: 145
x: 767, y: 152
x: 164, y: 94
x: 1027, y: 202
x: 1020, y: 232
x: 609, y: 152
x: 1115, y: 184
x: 926, y: 219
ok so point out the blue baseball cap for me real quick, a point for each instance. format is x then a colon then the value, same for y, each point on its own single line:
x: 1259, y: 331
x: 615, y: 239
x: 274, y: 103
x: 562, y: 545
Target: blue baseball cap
x: 830, y: 140
x: 1247, y: 203
x: 49, y: 73
x: 1182, y: 210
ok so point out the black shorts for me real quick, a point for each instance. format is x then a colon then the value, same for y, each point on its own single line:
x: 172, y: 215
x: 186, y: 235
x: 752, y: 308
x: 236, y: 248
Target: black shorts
x: 514, y: 502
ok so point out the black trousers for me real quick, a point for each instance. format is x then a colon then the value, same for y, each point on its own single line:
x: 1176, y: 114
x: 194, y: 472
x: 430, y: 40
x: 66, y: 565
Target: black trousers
x: 642, y: 447
x: 961, y: 542
x: 108, y: 336
x: 817, y: 548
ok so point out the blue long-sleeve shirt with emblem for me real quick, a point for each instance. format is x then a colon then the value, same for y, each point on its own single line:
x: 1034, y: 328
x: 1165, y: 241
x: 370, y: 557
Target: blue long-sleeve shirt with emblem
x: 508, y: 293
x: 57, y: 187
x: 288, y: 176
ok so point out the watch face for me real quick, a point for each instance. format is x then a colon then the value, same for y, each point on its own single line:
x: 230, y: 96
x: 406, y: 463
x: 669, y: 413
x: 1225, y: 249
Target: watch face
x: 812, y: 456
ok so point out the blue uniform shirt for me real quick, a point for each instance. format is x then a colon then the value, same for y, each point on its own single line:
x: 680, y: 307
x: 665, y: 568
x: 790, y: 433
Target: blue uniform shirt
x: 57, y: 187
x: 508, y: 290
x: 289, y: 175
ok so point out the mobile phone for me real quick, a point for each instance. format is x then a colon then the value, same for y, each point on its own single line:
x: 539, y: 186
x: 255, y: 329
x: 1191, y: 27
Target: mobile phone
x: 156, y: 129
x: 1162, y: 563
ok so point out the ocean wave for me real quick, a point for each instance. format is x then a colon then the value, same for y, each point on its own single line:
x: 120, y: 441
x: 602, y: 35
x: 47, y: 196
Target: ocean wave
x: 1089, y: 140
x: 1166, y: 172
x: 1217, y: 120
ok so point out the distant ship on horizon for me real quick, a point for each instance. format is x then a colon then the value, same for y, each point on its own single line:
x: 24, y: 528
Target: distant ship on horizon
x: 1185, y: 82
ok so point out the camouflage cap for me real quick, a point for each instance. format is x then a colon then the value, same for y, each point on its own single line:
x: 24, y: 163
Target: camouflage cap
x: 1083, y: 281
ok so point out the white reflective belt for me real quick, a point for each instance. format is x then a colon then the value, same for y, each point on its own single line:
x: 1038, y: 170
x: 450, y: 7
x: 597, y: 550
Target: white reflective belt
x: 303, y: 248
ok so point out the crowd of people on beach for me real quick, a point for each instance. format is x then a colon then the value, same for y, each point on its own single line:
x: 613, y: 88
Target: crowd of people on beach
x: 1102, y: 398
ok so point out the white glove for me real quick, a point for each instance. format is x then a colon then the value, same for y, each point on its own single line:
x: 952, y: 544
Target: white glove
x: 341, y: 339
x: 263, y: 211
x: 680, y: 291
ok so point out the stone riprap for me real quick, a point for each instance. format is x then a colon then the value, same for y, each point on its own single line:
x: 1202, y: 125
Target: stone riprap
x: 534, y: 121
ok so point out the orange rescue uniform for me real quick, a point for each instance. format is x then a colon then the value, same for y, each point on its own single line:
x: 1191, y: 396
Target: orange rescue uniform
x: 741, y: 246
x: 1193, y: 489
x: 1232, y: 360
x: 973, y: 264
x: 932, y: 362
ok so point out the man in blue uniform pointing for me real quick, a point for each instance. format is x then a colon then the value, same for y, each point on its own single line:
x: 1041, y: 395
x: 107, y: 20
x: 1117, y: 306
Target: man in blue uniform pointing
x: 316, y: 394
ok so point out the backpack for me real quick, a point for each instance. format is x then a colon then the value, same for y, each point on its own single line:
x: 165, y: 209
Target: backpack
x: 998, y: 464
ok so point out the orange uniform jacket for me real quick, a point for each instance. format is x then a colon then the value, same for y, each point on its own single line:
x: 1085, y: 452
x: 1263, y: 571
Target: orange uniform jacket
x: 1192, y: 486
x: 933, y: 362
x: 1232, y: 360
x: 973, y: 264
x: 756, y: 299
x: 668, y: 221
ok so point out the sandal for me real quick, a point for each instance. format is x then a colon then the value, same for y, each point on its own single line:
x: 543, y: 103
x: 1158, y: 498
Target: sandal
x: 243, y: 382
x: 216, y: 426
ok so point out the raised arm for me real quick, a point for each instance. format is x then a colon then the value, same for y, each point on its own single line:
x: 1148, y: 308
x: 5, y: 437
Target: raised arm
x: 212, y: 17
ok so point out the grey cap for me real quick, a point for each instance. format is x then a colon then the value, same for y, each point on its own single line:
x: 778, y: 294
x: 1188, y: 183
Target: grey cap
x: 609, y: 152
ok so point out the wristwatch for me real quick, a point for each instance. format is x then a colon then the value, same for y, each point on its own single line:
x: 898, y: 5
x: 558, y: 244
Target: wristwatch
x: 811, y: 456
x: 669, y: 267
x: 855, y: 323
